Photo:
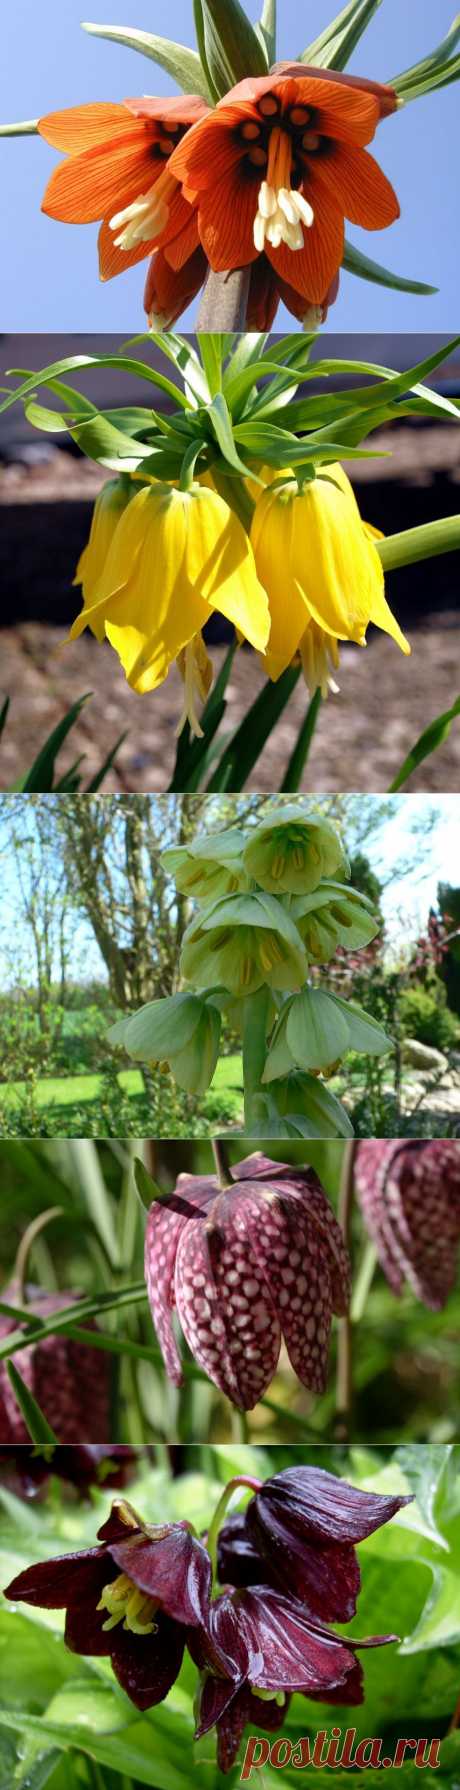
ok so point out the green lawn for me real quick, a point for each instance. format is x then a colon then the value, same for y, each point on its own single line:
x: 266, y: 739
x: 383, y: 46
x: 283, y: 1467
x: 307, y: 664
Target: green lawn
x: 72, y: 1090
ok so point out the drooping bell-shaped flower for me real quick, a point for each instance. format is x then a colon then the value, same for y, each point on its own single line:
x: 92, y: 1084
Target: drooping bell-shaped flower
x: 302, y: 1106
x: 59, y: 1373
x: 109, y: 506
x: 209, y: 866
x: 314, y: 545
x: 315, y: 1030
x: 245, y: 1268
x: 182, y: 1030
x: 242, y: 942
x: 271, y: 1645
x: 134, y: 1598
x: 409, y: 1192
x: 304, y: 1524
x: 290, y: 851
x: 334, y: 915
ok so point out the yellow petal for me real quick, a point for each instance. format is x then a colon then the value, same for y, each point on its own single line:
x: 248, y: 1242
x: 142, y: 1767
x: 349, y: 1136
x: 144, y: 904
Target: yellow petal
x: 271, y: 536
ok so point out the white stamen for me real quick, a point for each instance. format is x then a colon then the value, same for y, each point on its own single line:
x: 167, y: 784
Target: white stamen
x: 281, y: 217
x: 141, y: 221
x: 194, y: 686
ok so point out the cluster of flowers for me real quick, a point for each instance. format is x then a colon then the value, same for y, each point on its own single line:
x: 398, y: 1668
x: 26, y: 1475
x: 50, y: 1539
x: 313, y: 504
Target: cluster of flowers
x: 263, y: 1261
x: 287, y: 1568
x: 263, y: 180
x: 269, y: 906
x: 160, y: 560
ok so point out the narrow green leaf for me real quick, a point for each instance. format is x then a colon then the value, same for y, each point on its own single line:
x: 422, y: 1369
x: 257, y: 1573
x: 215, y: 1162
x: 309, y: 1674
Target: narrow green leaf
x: 211, y: 355
x: 40, y: 778
x: 232, y: 47
x: 38, y: 1427
x: 182, y: 64
x: 220, y: 420
x: 4, y: 713
x: 244, y: 748
x: 146, y: 1186
x: 266, y: 30
x: 354, y: 262
x: 65, y: 1319
x: 73, y: 363
x: 415, y: 544
x: 28, y: 128
x: 298, y: 759
x: 199, y: 28
x: 99, y: 776
x: 432, y: 737
x: 335, y: 45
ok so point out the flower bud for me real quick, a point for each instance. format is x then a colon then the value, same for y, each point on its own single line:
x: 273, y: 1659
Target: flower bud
x: 59, y: 1372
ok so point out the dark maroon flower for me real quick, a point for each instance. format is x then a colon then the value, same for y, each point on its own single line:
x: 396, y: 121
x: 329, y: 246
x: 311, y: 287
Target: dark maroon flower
x: 409, y: 1194
x: 271, y: 1646
x: 300, y: 1529
x: 134, y: 1598
x: 59, y: 1372
x: 246, y: 1267
x: 27, y: 1467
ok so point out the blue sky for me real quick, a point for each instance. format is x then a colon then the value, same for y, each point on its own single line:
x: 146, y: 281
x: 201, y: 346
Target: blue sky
x: 50, y: 272
x: 419, y: 840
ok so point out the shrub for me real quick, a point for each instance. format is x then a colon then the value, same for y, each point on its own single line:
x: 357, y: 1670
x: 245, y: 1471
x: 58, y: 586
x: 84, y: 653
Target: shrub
x: 425, y: 1015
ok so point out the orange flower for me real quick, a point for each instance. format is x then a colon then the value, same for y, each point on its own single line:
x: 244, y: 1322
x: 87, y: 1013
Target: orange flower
x: 276, y: 168
x: 118, y: 169
x: 266, y: 290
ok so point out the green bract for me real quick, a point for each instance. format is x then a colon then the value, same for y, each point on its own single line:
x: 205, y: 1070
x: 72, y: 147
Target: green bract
x: 290, y: 852
x: 316, y: 1029
x: 209, y: 866
x: 182, y: 1030
x: 245, y: 941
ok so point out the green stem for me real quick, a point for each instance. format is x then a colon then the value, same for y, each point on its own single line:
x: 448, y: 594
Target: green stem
x: 33, y: 1230
x: 223, y: 1173
x: 242, y: 1480
x: 363, y: 1282
x: 256, y: 1009
x: 36, y: 1328
x: 414, y: 544
x: 344, y: 1350
x: 235, y: 493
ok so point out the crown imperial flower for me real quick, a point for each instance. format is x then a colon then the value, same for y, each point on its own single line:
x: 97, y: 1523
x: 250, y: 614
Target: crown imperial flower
x: 245, y: 1267
x: 409, y: 1192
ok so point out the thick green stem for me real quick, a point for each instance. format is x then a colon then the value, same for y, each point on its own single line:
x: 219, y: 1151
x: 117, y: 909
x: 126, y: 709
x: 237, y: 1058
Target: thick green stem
x: 235, y: 493
x: 256, y: 1010
x: 225, y: 301
x: 414, y: 544
x: 221, y: 1163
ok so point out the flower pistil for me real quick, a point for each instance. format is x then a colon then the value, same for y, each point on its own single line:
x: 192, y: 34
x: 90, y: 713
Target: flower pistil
x: 126, y: 1603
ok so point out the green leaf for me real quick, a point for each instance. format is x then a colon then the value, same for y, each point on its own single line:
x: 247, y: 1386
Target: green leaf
x: 182, y: 64
x: 40, y: 778
x: 37, y: 1424
x: 4, y: 714
x: 355, y: 262
x: 232, y: 47
x: 73, y: 363
x: 247, y: 743
x: 432, y: 737
x: 99, y: 776
x: 296, y: 765
x: 425, y: 542
x: 266, y: 30
x: 427, y: 1470
x: 335, y: 45
x: 220, y: 420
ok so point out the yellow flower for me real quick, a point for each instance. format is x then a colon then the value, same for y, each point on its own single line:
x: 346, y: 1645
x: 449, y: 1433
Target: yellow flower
x: 174, y: 558
x: 108, y: 508
x: 320, y: 567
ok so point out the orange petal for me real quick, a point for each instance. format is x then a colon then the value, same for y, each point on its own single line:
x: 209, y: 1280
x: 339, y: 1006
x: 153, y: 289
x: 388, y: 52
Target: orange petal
x: 169, y: 292
x: 357, y: 184
x: 385, y: 96
x: 226, y: 221
x: 209, y: 151
x: 95, y: 184
x: 264, y: 296
x: 185, y: 109
x: 181, y: 246
x: 310, y: 270
x: 344, y: 110
x: 81, y: 127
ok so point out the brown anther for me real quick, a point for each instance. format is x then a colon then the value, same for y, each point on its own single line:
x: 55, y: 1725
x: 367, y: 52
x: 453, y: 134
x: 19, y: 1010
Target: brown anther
x: 259, y: 157
x: 166, y: 145
x: 299, y: 115
x: 310, y: 140
x: 268, y: 106
x: 250, y: 131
